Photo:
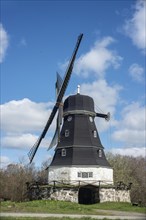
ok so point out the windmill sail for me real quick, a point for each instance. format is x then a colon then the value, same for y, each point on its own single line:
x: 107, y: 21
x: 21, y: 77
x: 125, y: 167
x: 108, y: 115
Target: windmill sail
x: 58, y: 84
x: 61, y: 92
x: 55, y: 138
x: 60, y: 112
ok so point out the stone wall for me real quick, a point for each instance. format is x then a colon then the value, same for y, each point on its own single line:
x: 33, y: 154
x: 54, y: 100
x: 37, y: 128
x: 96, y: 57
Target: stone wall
x: 105, y: 195
x: 114, y: 195
x: 77, y: 194
x: 70, y: 195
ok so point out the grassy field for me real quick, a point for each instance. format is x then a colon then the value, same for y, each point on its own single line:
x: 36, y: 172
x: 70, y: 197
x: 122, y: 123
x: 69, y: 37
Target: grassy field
x: 43, y: 206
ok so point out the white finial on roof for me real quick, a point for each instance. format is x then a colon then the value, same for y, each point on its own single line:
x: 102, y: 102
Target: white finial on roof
x: 78, y: 91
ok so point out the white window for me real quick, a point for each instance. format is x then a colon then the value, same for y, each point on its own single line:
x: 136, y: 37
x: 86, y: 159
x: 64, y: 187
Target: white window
x: 63, y: 152
x: 100, y: 153
x: 66, y: 133
x: 85, y: 174
x: 79, y: 174
x: 95, y: 133
x: 91, y: 119
x: 69, y: 118
x: 90, y: 174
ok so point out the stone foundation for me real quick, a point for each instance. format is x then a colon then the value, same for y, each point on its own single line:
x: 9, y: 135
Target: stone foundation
x: 103, y: 194
x: 70, y: 195
x: 113, y: 195
x: 87, y: 194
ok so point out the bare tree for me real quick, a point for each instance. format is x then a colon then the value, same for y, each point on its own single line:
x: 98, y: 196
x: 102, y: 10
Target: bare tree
x: 130, y: 169
x: 13, y: 181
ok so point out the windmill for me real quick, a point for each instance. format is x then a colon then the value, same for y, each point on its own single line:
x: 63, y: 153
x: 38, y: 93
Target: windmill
x: 79, y: 155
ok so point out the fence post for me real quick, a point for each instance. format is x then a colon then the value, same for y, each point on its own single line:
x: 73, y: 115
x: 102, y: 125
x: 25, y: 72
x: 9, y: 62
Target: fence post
x: 54, y: 186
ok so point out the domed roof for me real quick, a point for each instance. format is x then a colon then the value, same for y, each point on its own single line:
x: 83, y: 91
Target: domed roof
x: 79, y: 102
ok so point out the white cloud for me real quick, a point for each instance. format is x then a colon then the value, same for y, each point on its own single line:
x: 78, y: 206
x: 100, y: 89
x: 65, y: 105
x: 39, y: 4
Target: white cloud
x: 98, y: 59
x: 24, y: 115
x: 105, y: 97
x: 18, y: 141
x: 137, y: 72
x: 4, y: 161
x: 131, y: 129
x: 130, y: 137
x: 4, y: 41
x: 135, y: 27
x: 21, y: 141
x: 20, y: 119
x: 134, y: 116
x: 135, y: 152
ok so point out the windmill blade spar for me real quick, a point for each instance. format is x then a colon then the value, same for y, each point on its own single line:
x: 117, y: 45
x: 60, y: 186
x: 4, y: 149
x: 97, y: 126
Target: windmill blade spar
x: 106, y: 116
x: 63, y: 86
x: 34, y: 149
x: 69, y: 70
x: 60, y: 95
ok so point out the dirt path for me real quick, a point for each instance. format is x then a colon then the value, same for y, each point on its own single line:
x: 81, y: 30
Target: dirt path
x: 110, y: 215
x: 121, y: 213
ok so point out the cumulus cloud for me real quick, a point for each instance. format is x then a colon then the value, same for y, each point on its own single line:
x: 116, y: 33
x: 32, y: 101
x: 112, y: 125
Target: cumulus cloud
x: 105, y: 98
x: 104, y: 95
x: 24, y: 115
x: 18, y: 141
x: 134, y: 116
x: 131, y: 137
x: 135, y: 151
x: 4, y: 41
x: 4, y: 161
x: 98, y: 59
x: 131, y: 129
x: 20, y: 119
x: 21, y: 141
x: 136, y: 72
x: 135, y: 27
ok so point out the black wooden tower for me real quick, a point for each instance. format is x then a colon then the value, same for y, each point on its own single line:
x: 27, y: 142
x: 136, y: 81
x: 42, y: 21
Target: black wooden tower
x: 79, y: 142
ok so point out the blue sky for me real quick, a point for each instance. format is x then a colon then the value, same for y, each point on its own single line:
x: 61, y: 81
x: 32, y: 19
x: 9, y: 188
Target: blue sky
x: 37, y: 40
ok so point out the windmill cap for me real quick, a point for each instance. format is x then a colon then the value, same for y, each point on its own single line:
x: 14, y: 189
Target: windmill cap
x: 79, y: 104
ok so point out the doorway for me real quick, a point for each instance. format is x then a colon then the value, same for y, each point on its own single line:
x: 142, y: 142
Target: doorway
x: 88, y: 194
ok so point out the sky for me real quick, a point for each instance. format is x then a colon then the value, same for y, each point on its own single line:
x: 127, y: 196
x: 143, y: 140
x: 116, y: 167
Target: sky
x: 37, y: 40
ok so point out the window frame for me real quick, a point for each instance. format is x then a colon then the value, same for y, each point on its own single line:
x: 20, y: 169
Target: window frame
x: 66, y: 133
x: 79, y: 174
x: 85, y: 175
x: 95, y: 134
x: 100, y: 153
x: 90, y: 174
x: 63, y: 152
x: 69, y: 118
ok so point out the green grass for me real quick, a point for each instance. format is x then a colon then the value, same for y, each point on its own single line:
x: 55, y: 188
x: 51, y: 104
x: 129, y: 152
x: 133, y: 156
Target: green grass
x: 46, y: 206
